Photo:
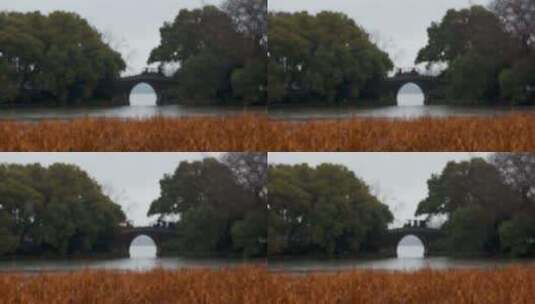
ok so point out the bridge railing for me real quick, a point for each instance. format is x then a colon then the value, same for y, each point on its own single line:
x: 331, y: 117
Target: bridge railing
x: 416, y: 224
x: 150, y: 70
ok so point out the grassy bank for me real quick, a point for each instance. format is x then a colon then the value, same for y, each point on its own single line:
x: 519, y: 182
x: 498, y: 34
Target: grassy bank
x: 256, y: 285
x: 509, y: 133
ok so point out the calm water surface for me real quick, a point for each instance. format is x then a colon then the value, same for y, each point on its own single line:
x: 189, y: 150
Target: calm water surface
x: 143, y: 259
x: 410, y: 258
x: 143, y: 107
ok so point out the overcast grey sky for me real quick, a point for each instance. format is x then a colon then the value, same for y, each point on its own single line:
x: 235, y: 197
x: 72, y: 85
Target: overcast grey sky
x: 130, y: 179
x: 398, y: 179
x: 400, y: 26
x: 132, y: 25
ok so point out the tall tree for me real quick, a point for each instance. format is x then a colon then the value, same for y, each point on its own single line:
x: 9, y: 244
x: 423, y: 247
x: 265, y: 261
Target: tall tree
x: 519, y: 19
x: 325, y: 57
x: 249, y: 17
x: 59, y: 56
x: 56, y: 210
x: 325, y: 210
x: 218, y: 204
x: 476, y: 48
x: 488, y: 205
x: 219, y: 53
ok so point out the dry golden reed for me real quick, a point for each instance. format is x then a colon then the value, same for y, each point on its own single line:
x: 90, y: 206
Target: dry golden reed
x: 511, y: 133
x: 250, y: 285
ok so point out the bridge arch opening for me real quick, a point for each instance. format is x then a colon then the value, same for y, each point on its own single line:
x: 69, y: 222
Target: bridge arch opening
x: 143, y: 95
x: 410, y: 95
x: 143, y: 247
x: 410, y: 247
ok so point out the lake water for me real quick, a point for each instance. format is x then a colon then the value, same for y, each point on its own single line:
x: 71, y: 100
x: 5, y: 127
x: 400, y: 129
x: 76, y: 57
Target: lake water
x: 412, y: 260
x: 143, y: 106
x: 144, y: 259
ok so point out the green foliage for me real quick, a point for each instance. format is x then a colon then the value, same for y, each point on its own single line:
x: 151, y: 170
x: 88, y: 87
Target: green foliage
x: 220, y: 209
x: 8, y: 86
x: 57, y: 56
x: 488, y: 206
x: 473, y: 78
x: 518, y: 82
x: 469, y: 232
x: 517, y: 236
x: 219, y: 58
x: 326, y: 57
x: 8, y: 234
x: 326, y: 210
x: 246, y: 82
x: 56, y: 210
x: 245, y: 234
x: 485, y: 60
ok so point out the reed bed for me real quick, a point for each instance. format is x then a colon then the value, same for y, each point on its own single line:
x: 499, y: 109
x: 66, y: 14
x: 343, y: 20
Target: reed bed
x: 511, y: 133
x: 514, y: 285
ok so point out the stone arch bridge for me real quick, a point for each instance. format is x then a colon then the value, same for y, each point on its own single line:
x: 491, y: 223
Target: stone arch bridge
x: 161, y: 84
x: 158, y: 234
x: 431, y: 86
x: 428, y: 236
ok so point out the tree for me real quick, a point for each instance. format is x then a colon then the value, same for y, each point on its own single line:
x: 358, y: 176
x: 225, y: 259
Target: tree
x: 57, y: 56
x: 249, y: 17
x: 326, y: 210
x: 8, y: 86
x: 476, y: 48
x: 219, y: 205
x: 57, y: 210
x: 326, y: 57
x: 518, y: 171
x: 517, y: 83
x: 488, y: 205
x: 219, y: 52
x: 518, y: 17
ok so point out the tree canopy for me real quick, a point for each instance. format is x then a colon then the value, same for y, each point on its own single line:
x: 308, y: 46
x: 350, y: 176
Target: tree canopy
x: 57, y: 57
x: 325, y: 57
x: 221, y: 52
x: 325, y: 210
x: 219, y: 204
x: 488, y: 205
x: 57, y: 210
x: 487, y: 59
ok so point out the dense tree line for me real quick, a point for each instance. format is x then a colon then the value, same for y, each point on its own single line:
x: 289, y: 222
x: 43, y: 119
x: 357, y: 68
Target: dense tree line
x: 219, y: 206
x: 57, y: 211
x: 57, y: 57
x: 221, y: 52
x: 488, y: 205
x: 489, y: 52
x: 326, y: 210
x: 322, y: 58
